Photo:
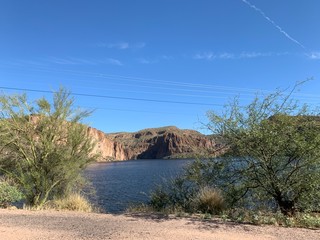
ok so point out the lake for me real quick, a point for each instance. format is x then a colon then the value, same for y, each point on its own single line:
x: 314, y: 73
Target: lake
x: 121, y: 184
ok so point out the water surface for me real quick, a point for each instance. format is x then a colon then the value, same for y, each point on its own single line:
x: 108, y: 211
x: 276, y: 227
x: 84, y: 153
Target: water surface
x: 120, y: 184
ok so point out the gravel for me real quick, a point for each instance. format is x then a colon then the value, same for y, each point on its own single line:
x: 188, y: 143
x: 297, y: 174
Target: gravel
x: 54, y: 225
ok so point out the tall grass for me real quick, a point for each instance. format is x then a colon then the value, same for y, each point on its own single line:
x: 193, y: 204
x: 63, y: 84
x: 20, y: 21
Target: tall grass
x: 73, y: 202
x: 209, y: 200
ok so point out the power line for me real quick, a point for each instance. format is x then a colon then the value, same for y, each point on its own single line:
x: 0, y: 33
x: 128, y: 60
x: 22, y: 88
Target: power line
x: 113, y: 97
x: 147, y: 80
x: 132, y: 110
x: 182, y: 85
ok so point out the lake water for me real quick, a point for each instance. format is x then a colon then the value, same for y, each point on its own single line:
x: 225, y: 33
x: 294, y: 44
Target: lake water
x: 120, y: 184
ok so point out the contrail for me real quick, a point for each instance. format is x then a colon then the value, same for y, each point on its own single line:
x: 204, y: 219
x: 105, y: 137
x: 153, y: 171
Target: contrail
x: 273, y: 23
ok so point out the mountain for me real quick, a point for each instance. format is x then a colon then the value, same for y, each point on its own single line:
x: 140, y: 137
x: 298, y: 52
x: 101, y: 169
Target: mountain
x: 153, y: 143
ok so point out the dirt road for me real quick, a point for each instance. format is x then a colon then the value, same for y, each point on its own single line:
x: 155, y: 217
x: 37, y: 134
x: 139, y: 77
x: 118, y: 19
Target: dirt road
x: 54, y: 225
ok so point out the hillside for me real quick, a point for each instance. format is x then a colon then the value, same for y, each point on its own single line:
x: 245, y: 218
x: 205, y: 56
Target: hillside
x: 153, y: 143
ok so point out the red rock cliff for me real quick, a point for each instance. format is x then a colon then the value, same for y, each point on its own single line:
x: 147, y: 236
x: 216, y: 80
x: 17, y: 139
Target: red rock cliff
x: 155, y: 143
x: 166, y: 142
x: 108, y: 149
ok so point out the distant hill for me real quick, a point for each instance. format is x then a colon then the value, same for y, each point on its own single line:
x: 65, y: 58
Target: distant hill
x: 154, y: 143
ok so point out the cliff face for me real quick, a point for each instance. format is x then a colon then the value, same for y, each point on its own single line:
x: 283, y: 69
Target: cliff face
x: 167, y: 142
x: 108, y: 149
x: 153, y: 143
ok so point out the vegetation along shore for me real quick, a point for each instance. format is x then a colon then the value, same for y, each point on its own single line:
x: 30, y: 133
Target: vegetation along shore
x: 267, y: 173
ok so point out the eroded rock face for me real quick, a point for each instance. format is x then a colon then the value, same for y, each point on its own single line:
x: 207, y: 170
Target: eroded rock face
x: 153, y: 143
x: 106, y: 147
x: 156, y: 143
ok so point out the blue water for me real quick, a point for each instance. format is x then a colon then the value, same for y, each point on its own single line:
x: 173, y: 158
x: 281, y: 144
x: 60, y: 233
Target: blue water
x: 121, y: 184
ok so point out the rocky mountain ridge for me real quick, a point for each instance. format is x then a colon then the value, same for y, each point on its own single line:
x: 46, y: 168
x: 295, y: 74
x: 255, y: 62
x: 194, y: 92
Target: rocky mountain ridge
x: 153, y: 143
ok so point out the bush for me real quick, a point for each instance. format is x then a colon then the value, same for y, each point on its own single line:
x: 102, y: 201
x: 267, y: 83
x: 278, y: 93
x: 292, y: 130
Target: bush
x: 306, y: 220
x: 182, y: 195
x: 43, y: 145
x: 159, y: 199
x: 175, y: 195
x: 209, y: 200
x: 309, y: 220
x: 8, y: 193
x: 73, y: 202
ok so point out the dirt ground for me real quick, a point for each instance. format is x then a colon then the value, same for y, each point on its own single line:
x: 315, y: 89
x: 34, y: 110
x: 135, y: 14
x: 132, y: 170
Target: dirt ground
x: 54, y: 225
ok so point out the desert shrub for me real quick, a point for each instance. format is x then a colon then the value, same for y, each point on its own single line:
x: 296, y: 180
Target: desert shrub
x: 43, y: 145
x: 308, y: 220
x: 73, y: 202
x: 8, y: 193
x: 175, y: 195
x: 209, y: 200
x: 241, y: 215
x: 159, y: 199
x: 183, y: 195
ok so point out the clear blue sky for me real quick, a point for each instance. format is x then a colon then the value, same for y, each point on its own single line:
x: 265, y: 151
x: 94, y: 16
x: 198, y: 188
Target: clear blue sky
x: 159, y: 63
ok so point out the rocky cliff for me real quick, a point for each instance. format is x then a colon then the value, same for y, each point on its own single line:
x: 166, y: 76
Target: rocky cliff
x: 106, y: 147
x: 156, y: 143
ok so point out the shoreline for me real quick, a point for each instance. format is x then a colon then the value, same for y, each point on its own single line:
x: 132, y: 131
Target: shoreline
x: 53, y: 225
x: 138, y: 159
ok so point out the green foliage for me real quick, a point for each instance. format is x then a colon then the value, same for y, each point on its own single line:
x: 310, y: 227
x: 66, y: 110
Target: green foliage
x: 159, y: 199
x: 8, y: 193
x: 181, y: 195
x: 43, y: 145
x: 174, y: 196
x: 273, y: 154
x: 306, y: 220
x: 271, y: 160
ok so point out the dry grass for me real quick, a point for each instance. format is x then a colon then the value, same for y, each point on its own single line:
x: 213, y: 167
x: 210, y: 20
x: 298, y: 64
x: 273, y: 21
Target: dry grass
x: 74, y: 202
x: 209, y: 200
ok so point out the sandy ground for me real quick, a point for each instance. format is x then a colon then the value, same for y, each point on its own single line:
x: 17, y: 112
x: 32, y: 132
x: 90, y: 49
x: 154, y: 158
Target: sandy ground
x: 22, y: 224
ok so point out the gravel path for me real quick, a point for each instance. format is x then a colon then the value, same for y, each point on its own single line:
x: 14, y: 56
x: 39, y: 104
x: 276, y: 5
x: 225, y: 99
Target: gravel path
x: 53, y: 225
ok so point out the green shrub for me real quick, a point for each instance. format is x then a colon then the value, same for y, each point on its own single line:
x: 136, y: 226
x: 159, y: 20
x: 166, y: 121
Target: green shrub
x: 159, y: 199
x: 175, y: 195
x: 308, y: 220
x: 61, y: 145
x: 8, y: 193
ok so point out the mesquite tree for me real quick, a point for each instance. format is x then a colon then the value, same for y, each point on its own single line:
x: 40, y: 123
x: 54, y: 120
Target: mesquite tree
x: 272, y: 153
x: 43, y: 145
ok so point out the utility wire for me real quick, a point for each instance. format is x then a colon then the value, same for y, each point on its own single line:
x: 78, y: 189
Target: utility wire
x: 112, y: 97
x: 154, y: 82
x: 146, y: 80
x: 132, y: 110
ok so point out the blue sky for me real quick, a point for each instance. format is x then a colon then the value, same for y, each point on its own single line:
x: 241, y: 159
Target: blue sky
x: 157, y: 63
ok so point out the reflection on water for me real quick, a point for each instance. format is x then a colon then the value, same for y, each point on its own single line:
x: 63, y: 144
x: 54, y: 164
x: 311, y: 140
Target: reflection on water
x: 119, y: 184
